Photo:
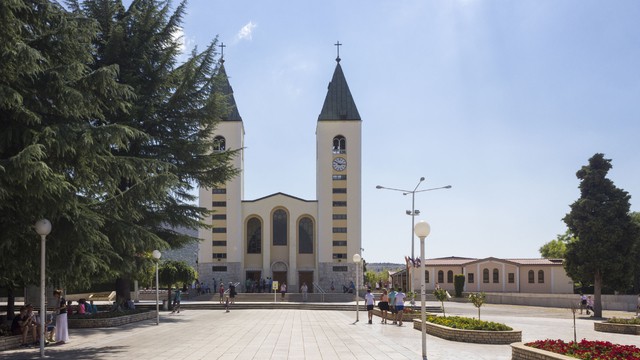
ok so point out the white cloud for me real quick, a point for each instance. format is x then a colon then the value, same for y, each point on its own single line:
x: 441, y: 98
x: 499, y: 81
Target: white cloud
x: 246, y: 31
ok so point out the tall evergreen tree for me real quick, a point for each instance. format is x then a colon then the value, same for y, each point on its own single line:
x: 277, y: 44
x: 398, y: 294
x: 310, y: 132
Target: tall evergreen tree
x: 55, y: 148
x: 177, y: 107
x: 605, y: 233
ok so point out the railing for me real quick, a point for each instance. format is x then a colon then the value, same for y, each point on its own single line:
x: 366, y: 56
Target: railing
x: 320, y: 290
x: 229, y: 289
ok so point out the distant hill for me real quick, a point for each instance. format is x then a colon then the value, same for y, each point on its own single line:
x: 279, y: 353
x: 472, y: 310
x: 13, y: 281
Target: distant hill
x: 377, y: 267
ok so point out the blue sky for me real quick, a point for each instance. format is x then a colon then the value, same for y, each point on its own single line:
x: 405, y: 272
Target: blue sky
x: 503, y: 100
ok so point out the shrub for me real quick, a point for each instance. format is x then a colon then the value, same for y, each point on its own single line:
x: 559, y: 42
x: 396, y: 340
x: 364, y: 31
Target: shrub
x: 601, y: 350
x: 458, y: 283
x: 626, y: 321
x: 465, y: 323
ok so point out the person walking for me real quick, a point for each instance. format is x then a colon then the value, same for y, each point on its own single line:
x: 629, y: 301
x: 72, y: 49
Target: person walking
x: 400, y: 296
x: 384, y: 306
x: 177, y: 298
x: 392, y: 304
x: 583, y: 303
x: 304, y: 289
x: 221, y: 292
x: 369, y: 300
x: 283, y: 290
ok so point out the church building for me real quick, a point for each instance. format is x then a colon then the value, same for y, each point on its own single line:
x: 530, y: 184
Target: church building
x: 286, y: 238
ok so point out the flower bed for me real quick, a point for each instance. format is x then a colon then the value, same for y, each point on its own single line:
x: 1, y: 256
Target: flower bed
x: 585, y: 349
x: 497, y: 337
x: 619, y: 326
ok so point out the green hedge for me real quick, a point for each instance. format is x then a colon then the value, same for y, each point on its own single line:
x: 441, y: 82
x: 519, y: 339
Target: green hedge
x: 465, y: 323
x: 626, y: 321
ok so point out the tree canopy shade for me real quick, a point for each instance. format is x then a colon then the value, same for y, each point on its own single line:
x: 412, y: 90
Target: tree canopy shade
x: 104, y: 134
x: 605, y: 233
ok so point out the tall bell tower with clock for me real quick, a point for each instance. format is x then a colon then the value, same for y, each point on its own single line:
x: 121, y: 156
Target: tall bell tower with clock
x: 339, y: 181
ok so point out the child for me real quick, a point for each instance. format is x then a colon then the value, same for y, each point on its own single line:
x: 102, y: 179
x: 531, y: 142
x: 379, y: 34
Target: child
x: 69, y: 307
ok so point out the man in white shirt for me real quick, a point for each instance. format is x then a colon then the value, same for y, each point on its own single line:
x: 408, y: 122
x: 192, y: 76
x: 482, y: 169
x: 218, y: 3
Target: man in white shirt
x: 400, y: 305
x: 369, y: 299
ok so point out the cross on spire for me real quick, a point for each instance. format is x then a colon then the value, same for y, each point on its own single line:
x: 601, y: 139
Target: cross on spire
x: 222, y: 46
x: 337, y: 44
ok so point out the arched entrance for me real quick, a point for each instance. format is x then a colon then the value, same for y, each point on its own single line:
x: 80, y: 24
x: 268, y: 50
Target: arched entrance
x: 279, y: 271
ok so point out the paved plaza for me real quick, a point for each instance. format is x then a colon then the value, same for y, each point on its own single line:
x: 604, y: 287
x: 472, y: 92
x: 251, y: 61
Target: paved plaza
x: 308, y: 334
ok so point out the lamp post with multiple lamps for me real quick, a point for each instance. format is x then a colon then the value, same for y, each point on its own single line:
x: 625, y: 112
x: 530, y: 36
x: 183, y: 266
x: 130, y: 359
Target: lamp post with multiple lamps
x: 413, y: 213
x: 156, y: 255
x: 422, y: 230
x: 357, y: 259
x: 43, y: 228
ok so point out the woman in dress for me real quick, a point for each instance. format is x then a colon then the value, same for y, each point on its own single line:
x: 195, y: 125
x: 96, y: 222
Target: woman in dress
x: 384, y: 305
x: 62, y: 330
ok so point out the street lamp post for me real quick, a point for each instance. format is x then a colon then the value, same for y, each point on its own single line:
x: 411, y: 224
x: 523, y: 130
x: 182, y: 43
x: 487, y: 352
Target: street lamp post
x: 43, y: 228
x: 422, y: 229
x: 156, y: 255
x: 357, y: 259
x: 413, y: 212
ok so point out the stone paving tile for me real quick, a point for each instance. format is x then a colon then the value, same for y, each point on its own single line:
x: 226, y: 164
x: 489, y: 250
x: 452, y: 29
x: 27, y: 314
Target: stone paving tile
x: 307, y: 334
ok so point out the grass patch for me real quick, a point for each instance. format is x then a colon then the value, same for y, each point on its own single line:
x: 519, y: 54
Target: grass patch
x: 465, y: 323
x: 625, y: 321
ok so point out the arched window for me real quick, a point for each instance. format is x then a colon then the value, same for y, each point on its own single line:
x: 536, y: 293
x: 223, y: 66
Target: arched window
x: 254, y: 236
x: 485, y: 276
x: 426, y: 276
x: 305, y: 236
x: 449, y: 276
x: 496, y: 276
x: 440, y: 276
x: 279, y: 227
x: 532, y: 277
x: 219, y: 144
x: 541, y: 277
x: 339, y: 145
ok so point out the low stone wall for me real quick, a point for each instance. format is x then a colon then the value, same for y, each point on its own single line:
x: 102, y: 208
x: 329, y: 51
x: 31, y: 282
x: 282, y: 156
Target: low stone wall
x: 110, y: 322
x: 11, y: 342
x: 617, y: 328
x: 519, y: 351
x: 609, y: 302
x: 470, y: 336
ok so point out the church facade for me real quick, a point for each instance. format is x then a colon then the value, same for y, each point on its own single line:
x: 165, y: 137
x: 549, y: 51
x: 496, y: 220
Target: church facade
x: 283, y: 237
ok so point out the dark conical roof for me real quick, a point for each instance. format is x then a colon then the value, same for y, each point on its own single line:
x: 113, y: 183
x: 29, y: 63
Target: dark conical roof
x: 233, y: 114
x: 339, y: 105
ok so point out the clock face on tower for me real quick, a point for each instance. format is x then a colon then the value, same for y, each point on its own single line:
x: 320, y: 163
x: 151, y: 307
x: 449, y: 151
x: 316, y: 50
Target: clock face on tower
x: 339, y: 164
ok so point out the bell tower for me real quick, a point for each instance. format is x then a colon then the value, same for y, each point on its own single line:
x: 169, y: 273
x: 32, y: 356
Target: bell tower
x: 338, y: 182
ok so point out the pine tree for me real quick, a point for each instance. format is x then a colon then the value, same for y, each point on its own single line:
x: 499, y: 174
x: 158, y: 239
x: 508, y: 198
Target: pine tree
x: 55, y: 148
x: 177, y: 106
x: 604, y: 231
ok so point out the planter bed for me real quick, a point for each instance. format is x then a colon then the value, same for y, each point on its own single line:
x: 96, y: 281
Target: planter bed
x: 519, y: 351
x: 470, y: 336
x: 11, y: 342
x: 89, y: 322
x: 617, y: 328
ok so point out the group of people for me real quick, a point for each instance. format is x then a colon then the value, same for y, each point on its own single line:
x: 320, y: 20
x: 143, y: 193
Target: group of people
x: 258, y: 286
x: 392, y: 301
x: 28, y: 322
x: 586, y: 303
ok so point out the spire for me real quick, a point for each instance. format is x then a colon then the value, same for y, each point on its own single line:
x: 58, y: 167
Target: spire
x: 227, y: 91
x: 339, y: 105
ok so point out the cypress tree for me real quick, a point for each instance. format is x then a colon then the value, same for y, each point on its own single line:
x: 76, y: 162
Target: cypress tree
x: 601, y: 223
